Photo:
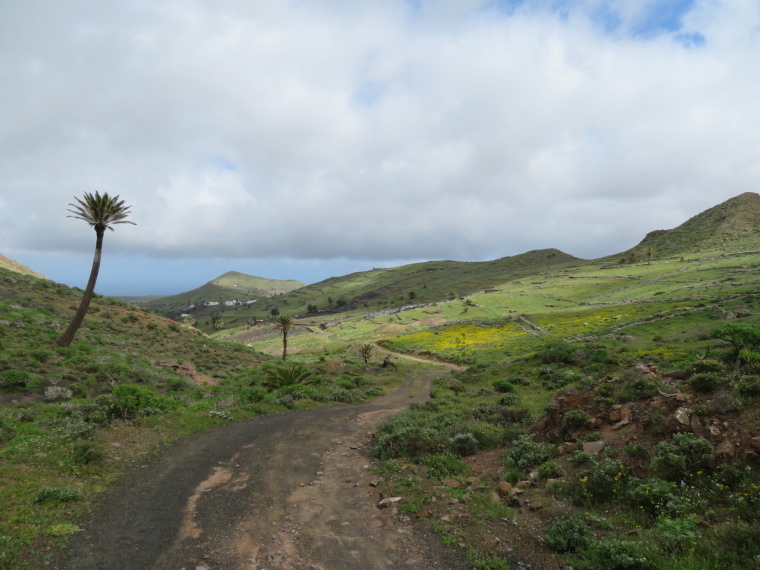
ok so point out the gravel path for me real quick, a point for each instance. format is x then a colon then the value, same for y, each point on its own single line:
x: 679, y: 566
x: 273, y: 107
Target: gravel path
x: 284, y: 491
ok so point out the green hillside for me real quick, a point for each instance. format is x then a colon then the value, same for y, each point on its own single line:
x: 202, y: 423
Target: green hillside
x: 734, y: 222
x: 615, y: 404
x: 382, y: 289
x: 229, y: 287
x: 73, y: 419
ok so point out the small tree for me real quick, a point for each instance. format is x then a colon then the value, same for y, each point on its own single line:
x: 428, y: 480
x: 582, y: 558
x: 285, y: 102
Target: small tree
x: 284, y: 323
x: 649, y: 252
x: 217, y: 323
x: 275, y: 312
x: 101, y: 212
x: 366, y: 351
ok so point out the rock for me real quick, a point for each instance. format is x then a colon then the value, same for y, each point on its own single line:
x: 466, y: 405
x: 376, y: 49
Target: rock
x: 474, y: 481
x: 451, y: 483
x: 683, y: 397
x: 726, y: 449
x: 715, y: 432
x: 503, y: 488
x: 696, y: 424
x: 594, y: 447
x: 551, y: 481
x: 523, y: 485
x: 755, y: 443
x: 389, y: 501
x: 683, y: 415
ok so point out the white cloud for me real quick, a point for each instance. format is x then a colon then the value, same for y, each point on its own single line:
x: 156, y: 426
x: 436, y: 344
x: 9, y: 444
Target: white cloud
x: 372, y: 131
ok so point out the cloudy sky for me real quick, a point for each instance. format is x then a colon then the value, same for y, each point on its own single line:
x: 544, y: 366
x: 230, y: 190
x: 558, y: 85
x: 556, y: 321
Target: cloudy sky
x: 301, y: 139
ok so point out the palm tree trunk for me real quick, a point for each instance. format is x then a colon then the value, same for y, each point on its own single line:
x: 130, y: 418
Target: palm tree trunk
x: 284, y: 345
x: 66, y: 338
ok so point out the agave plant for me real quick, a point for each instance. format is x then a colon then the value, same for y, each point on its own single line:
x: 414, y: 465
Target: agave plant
x: 287, y: 376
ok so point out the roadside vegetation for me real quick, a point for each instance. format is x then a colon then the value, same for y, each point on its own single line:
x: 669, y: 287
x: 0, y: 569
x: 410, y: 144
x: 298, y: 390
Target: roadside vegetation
x: 73, y: 418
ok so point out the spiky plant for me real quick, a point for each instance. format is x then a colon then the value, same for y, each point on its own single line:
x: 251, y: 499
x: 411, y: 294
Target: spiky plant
x: 287, y: 376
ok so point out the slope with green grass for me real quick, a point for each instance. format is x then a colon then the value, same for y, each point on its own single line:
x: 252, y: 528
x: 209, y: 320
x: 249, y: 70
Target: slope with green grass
x: 72, y: 419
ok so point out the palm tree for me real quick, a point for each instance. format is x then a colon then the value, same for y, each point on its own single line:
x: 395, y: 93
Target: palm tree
x: 283, y: 325
x: 366, y: 351
x: 101, y: 212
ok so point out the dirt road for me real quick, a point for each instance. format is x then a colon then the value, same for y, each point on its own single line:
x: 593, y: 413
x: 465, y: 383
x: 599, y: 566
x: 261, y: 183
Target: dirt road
x: 284, y: 491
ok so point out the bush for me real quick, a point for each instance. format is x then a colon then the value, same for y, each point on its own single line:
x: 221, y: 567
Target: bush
x: 676, y: 534
x: 652, y: 495
x: 639, y: 390
x: 444, y: 465
x: 706, y: 365
x: 526, y: 453
x: 602, y: 482
x: 682, y: 455
x: 574, y: 419
x: 749, y: 386
x: 557, y: 353
x: 569, y: 533
x: 706, y: 382
x: 13, y: 378
x: 614, y: 555
x: 726, y: 401
x: 503, y: 386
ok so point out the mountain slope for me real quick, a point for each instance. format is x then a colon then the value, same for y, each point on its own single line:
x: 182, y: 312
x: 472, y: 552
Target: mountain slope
x: 736, y: 219
x: 7, y: 263
x: 231, y: 286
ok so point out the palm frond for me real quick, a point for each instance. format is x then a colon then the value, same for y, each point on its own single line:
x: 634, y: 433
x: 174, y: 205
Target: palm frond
x: 100, y: 210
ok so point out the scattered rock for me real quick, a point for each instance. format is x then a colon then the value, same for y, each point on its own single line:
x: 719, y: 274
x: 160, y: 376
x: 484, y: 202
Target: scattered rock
x: 451, y: 483
x: 683, y: 415
x: 504, y: 487
x: 389, y: 501
x: 594, y: 447
x: 726, y: 449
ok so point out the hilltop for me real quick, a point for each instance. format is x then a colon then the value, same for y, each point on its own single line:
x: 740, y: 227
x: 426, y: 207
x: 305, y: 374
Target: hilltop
x: 736, y: 220
x: 11, y: 265
x: 232, y: 287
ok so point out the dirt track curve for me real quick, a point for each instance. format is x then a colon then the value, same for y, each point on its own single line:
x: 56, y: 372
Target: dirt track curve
x: 284, y: 491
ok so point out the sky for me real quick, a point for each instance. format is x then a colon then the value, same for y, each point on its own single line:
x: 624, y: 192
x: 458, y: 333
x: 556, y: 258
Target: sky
x: 304, y: 139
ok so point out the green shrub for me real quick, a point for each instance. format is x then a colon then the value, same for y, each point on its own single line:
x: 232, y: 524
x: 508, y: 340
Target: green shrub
x: 445, y: 465
x: 673, y: 535
x: 508, y: 400
x: 639, y: 389
x: 569, y: 533
x: 652, y: 495
x: 735, y: 545
x: 749, y: 385
x: 13, y: 378
x: 637, y: 450
x: 682, y: 455
x: 526, y: 453
x: 615, y: 555
x: 726, y: 401
x: 604, y: 481
x: 706, y: 365
x: 503, y: 386
x: 706, y: 382
x: 556, y: 353
x: 573, y: 420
